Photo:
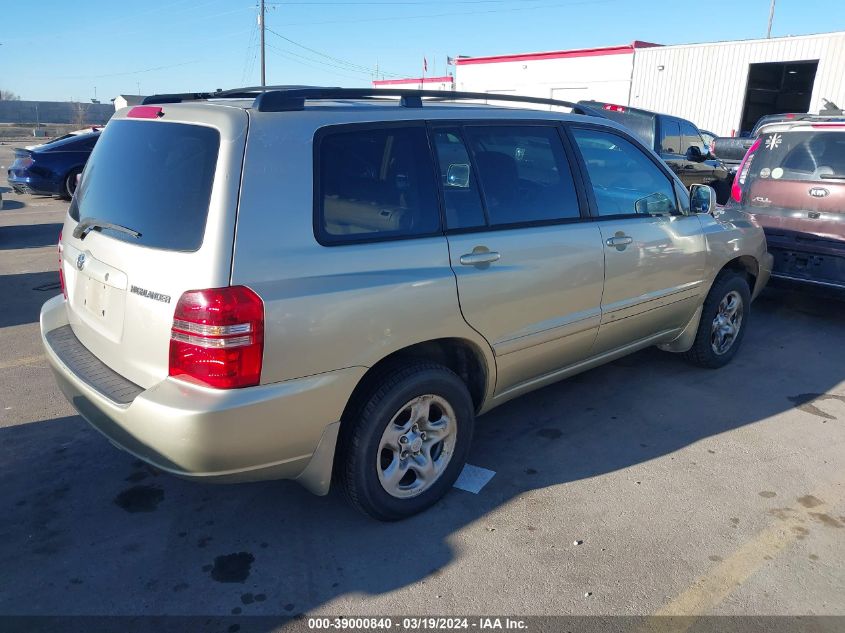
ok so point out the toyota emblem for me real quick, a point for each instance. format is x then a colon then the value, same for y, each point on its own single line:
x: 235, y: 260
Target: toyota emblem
x: 80, y: 261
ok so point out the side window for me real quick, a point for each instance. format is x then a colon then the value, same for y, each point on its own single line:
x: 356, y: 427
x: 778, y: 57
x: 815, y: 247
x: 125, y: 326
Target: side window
x: 624, y: 180
x: 670, y: 137
x: 691, y: 138
x: 376, y: 183
x: 460, y: 189
x: 524, y: 173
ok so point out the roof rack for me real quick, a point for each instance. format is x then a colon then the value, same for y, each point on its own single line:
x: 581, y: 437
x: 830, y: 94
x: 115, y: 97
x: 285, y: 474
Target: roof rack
x: 293, y: 98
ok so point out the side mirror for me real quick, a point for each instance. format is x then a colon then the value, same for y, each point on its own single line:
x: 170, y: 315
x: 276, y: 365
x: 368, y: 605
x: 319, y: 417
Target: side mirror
x: 694, y: 154
x: 702, y: 199
x: 458, y: 176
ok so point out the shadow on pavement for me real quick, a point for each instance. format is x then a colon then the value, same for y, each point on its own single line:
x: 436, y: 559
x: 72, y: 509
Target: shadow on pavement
x: 24, y: 294
x: 29, y: 235
x: 11, y: 205
x: 82, y: 519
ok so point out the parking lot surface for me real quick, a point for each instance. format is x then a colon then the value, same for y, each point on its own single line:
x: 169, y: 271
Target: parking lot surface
x: 646, y: 486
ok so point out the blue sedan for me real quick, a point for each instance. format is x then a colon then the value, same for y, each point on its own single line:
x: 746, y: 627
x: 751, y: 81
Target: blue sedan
x: 52, y: 168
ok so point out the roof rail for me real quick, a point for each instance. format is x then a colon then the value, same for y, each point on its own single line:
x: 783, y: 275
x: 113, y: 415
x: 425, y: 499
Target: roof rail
x: 248, y: 92
x: 292, y: 98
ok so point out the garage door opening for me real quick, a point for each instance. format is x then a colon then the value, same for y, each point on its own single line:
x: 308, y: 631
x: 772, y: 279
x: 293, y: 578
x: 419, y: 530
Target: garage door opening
x: 777, y: 87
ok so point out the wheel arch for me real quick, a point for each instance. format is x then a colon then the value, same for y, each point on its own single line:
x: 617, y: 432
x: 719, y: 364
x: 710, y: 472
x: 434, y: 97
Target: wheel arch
x: 748, y: 267
x: 460, y: 355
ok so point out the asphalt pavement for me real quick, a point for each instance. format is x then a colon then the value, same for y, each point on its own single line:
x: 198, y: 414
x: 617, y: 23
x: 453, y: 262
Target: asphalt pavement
x: 643, y: 487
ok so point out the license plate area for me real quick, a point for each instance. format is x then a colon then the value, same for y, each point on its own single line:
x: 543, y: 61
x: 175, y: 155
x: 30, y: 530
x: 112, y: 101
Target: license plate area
x: 97, y: 293
x: 811, y: 266
x: 96, y: 298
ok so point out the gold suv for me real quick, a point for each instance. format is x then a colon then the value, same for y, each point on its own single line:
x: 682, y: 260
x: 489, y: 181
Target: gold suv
x: 308, y: 283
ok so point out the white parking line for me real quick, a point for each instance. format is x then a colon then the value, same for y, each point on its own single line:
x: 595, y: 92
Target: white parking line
x: 473, y: 478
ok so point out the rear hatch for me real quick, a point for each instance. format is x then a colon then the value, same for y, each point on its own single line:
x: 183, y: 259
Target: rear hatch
x: 795, y: 181
x: 157, y: 202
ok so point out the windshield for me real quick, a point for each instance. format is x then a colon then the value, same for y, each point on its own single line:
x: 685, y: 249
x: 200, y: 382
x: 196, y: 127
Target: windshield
x: 152, y: 177
x: 801, y: 155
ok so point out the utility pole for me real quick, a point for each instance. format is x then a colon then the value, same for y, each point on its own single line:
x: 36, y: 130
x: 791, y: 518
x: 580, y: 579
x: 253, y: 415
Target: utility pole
x: 261, y: 21
x: 771, y: 19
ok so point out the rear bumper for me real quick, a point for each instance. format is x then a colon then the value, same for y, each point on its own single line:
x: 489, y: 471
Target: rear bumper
x: 285, y: 430
x: 23, y: 183
x: 807, y: 260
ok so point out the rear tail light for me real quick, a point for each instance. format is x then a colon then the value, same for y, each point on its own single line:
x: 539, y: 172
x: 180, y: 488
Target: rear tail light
x: 24, y: 162
x: 217, y: 337
x: 614, y: 108
x: 742, y: 172
x: 822, y: 126
x: 61, y: 267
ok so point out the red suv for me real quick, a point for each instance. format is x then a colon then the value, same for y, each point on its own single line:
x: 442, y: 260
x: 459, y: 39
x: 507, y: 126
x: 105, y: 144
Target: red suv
x: 792, y: 181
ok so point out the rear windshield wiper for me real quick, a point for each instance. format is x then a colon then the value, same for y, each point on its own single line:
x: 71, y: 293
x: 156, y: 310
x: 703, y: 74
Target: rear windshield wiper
x: 86, y: 225
x: 833, y: 176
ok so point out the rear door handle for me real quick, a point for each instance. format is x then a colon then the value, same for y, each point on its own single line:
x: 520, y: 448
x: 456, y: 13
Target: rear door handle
x: 619, y: 241
x: 484, y: 257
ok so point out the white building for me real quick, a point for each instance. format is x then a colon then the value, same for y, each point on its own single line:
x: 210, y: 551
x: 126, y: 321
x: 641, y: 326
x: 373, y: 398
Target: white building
x: 122, y: 101
x: 723, y: 86
x: 726, y: 86
x: 603, y: 74
x: 417, y: 83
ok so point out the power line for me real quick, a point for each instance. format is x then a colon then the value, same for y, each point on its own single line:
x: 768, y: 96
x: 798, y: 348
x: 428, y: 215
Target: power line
x: 290, y: 57
x: 452, y: 14
x: 351, y: 66
x: 399, y: 2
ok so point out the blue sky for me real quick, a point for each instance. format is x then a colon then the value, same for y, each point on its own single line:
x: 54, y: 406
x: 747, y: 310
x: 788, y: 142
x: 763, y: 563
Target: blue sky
x: 69, y: 48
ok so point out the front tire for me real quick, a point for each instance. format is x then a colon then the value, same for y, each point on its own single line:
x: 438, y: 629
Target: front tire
x: 406, y: 443
x: 724, y: 319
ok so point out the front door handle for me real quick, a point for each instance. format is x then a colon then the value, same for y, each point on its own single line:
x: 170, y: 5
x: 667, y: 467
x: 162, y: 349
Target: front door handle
x: 619, y: 241
x: 479, y: 258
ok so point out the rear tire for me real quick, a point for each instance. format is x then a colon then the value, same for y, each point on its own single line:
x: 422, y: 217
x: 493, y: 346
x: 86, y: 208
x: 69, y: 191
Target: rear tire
x: 724, y: 319
x: 69, y: 187
x: 421, y: 411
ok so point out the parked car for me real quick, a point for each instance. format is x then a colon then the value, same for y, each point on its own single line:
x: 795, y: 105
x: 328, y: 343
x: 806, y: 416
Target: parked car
x: 731, y: 150
x: 677, y: 141
x: 85, y: 130
x: 792, y: 182
x: 52, y: 169
x: 315, y: 282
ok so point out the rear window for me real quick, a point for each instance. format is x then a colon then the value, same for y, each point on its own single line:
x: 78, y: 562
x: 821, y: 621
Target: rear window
x: 802, y: 155
x: 154, y: 178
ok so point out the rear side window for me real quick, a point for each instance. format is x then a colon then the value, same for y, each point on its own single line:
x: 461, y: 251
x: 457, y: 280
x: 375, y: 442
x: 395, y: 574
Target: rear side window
x: 670, y: 137
x: 524, y: 174
x: 375, y: 184
x: 801, y: 155
x: 624, y: 180
x: 152, y: 177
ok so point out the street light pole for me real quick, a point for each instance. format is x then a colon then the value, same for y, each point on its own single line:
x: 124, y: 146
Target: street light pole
x: 771, y: 19
x: 261, y: 20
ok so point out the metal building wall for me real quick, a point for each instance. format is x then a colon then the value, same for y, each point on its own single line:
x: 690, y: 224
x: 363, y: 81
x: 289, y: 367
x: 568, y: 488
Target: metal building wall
x: 706, y: 83
x: 602, y: 74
